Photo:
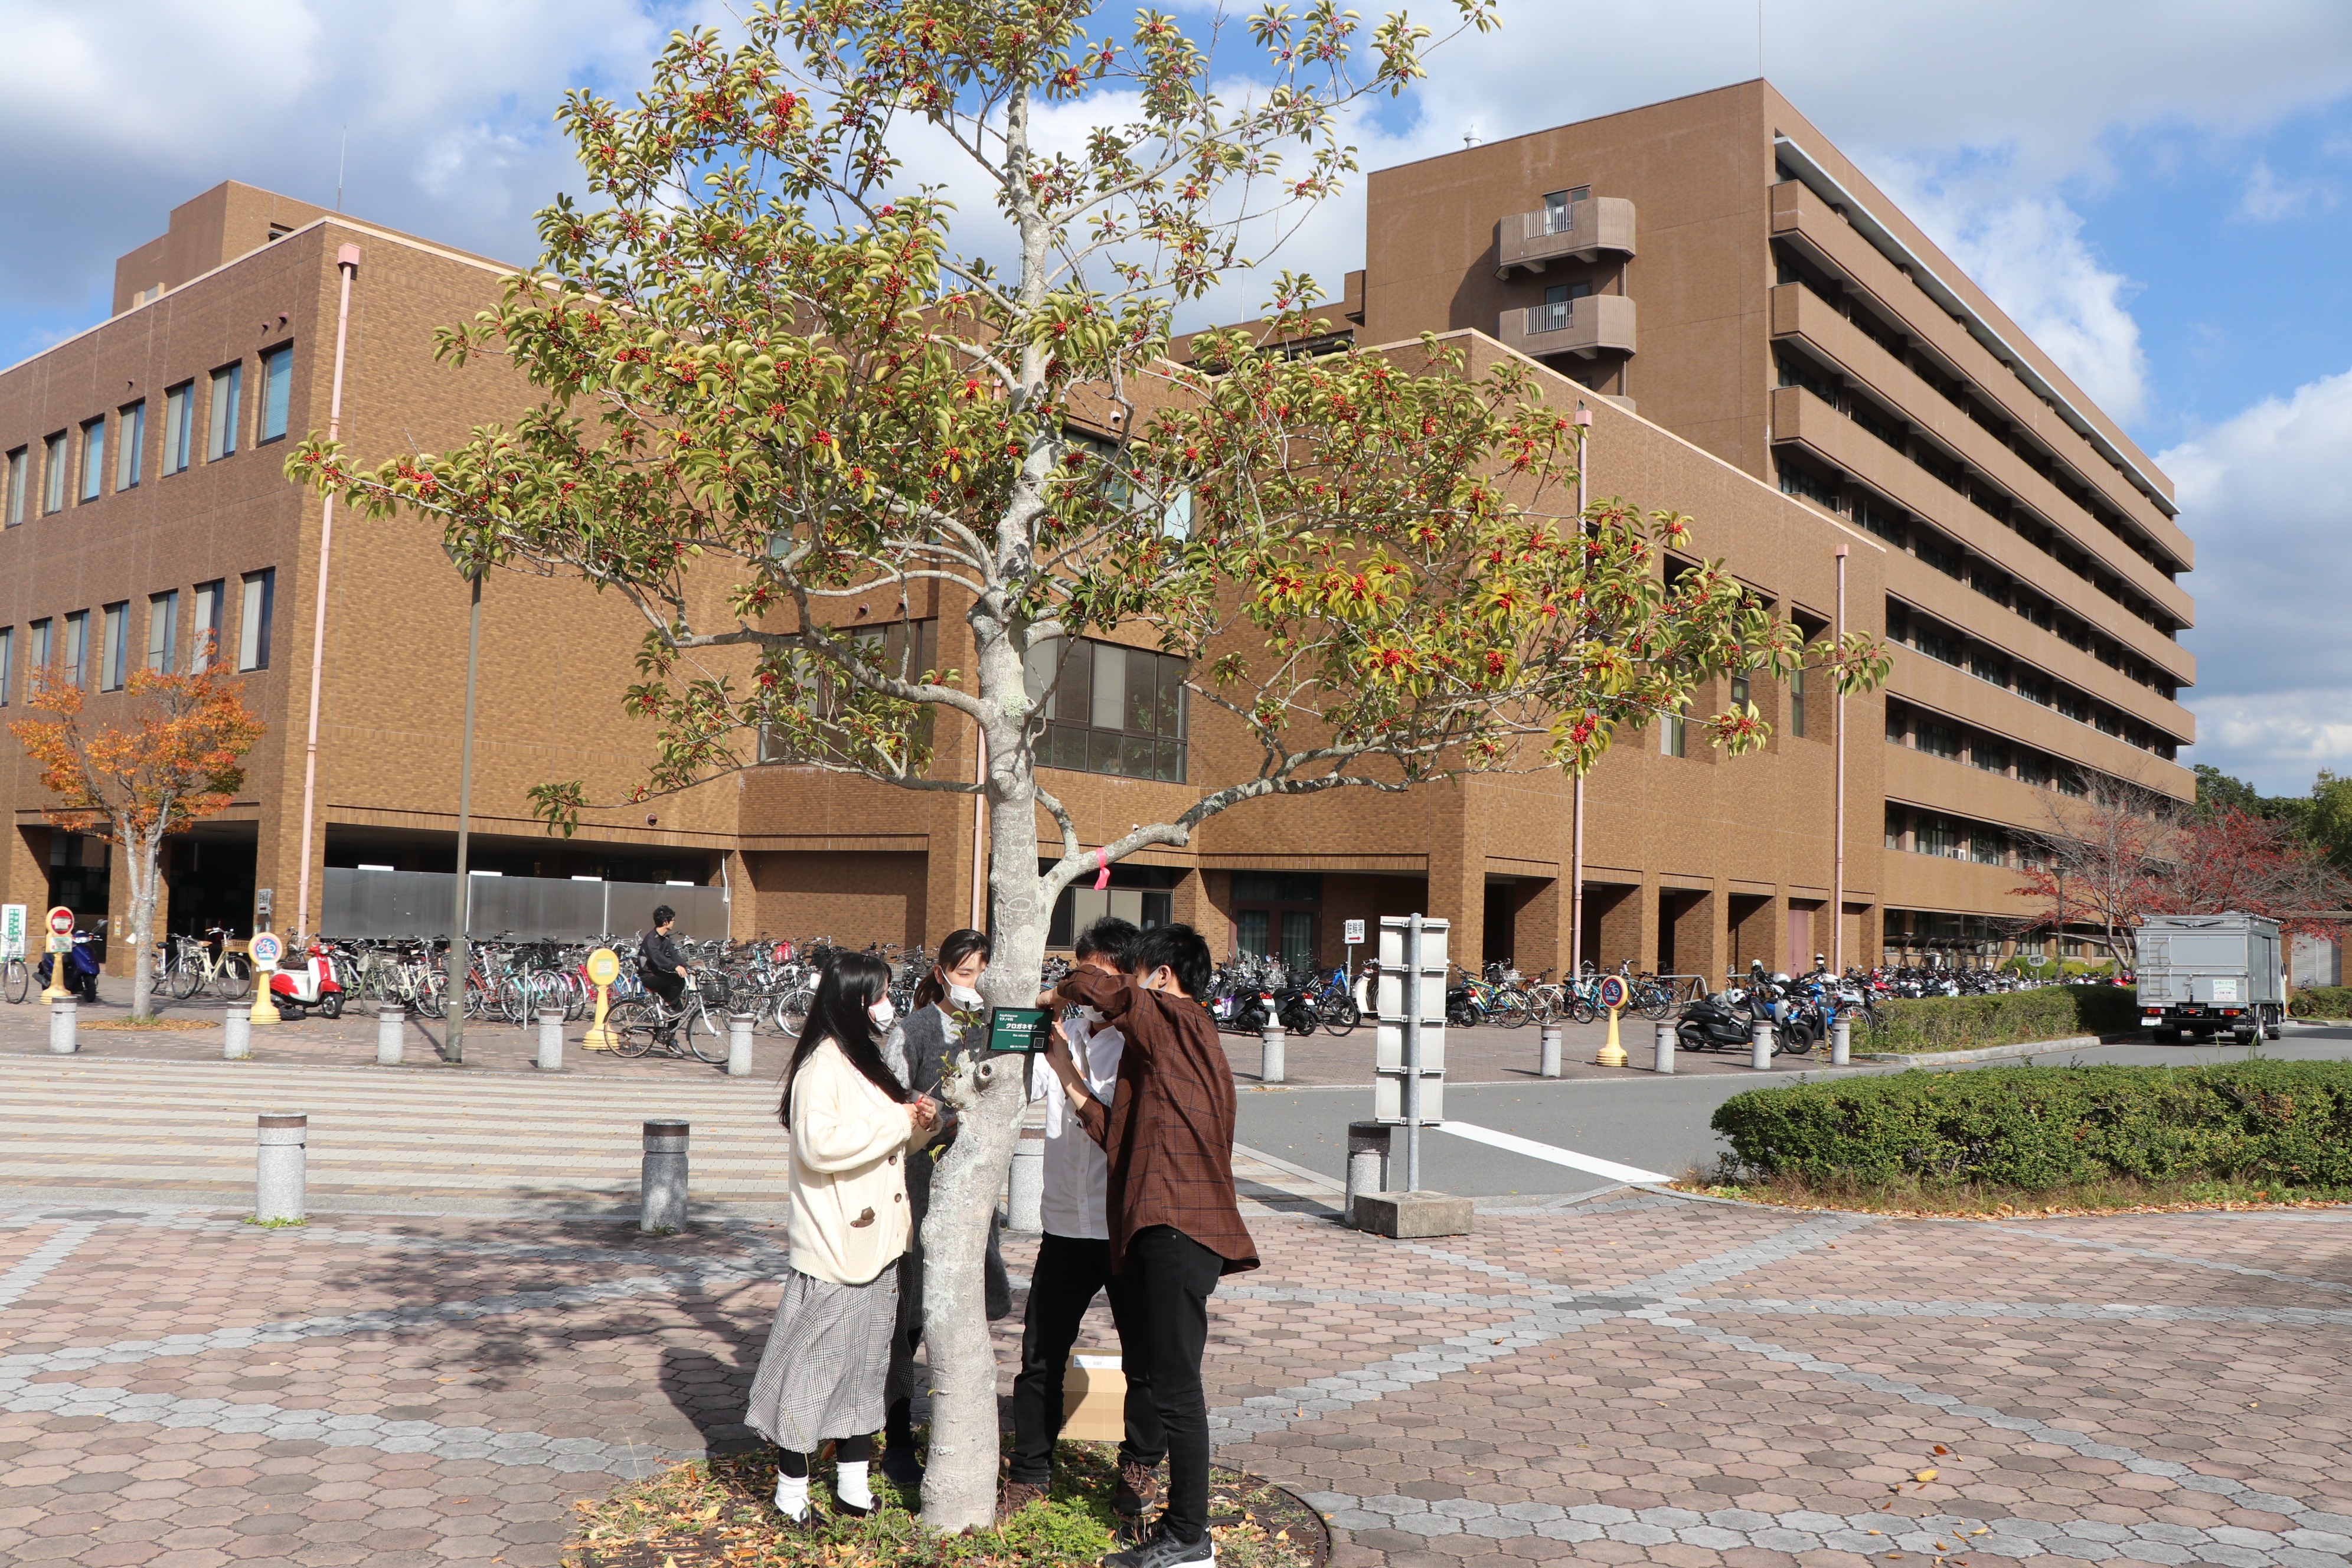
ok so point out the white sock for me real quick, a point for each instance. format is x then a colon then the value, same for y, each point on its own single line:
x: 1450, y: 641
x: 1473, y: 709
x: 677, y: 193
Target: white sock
x: 792, y: 1496
x: 850, y: 1483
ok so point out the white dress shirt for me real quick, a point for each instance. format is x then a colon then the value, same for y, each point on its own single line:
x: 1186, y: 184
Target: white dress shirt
x: 1076, y: 1200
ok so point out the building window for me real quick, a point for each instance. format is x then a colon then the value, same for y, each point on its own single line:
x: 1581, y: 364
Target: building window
x: 130, y: 441
x: 94, y: 458
x: 906, y: 649
x: 1672, y: 738
x: 179, y: 427
x: 1797, y: 703
x: 1114, y: 710
x: 1795, y: 481
x: 206, y: 627
x: 76, y: 650
x: 1990, y: 755
x: 163, y: 630
x: 1989, y: 847
x: 277, y: 391
x: 40, y: 643
x: 113, y: 657
x: 1559, y: 313
x: 7, y: 663
x: 1276, y: 914
x: 20, y: 468
x: 253, y: 621
x: 1740, y: 689
x: 1938, y: 835
x: 220, y: 427
x: 1895, y: 824
x: 1937, y: 740
x: 53, y: 474
x: 1559, y: 209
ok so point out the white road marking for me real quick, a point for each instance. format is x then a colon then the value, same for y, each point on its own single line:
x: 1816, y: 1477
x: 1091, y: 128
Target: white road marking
x: 1515, y: 1145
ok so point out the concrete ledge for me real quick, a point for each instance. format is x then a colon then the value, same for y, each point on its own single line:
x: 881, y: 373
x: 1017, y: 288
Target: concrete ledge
x: 1988, y: 1053
x: 1408, y: 1216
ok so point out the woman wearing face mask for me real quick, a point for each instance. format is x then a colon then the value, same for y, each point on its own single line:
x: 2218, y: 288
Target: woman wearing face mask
x: 918, y: 1049
x: 854, y: 1124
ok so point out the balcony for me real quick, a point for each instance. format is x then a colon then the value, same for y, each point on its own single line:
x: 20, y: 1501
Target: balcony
x: 1583, y: 326
x: 1578, y: 231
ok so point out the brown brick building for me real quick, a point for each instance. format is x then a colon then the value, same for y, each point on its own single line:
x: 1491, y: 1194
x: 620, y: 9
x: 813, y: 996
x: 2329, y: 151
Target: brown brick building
x: 1809, y: 373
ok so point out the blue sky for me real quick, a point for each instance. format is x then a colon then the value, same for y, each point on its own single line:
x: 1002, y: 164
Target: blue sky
x: 2161, y: 192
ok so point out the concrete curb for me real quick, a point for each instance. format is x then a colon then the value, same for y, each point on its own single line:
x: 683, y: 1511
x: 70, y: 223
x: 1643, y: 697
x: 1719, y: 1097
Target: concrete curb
x: 1988, y: 1053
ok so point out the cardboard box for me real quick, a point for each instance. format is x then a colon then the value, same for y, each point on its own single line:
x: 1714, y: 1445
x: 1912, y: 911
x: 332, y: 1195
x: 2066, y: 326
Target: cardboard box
x: 1094, y: 1400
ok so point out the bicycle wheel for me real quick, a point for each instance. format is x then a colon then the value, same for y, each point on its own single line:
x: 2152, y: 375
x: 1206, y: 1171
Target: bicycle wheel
x: 184, y: 978
x: 1342, y: 1014
x: 705, y: 1035
x: 1510, y: 1010
x: 636, y: 1027
x: 2299, y: 1008
x: 233, y: 981
x: 794, y: 1010
x: 1580, y: 1009
x: 1654, y: 1003
x: 19, y: 980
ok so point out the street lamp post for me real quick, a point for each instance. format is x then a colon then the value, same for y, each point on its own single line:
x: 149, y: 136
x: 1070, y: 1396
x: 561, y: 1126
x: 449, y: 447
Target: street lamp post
x: 455, y: 1051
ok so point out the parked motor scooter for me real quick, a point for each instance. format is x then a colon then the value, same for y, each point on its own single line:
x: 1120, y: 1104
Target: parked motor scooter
x: 81, y: 968
x: 296, y: 992
x: 1716, y: 1024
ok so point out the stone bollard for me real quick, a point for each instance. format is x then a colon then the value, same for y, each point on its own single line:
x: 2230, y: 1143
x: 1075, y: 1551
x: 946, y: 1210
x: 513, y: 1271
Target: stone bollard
x: 1548, y: 1052
x: 236, y: 1038
x: 1269, y: 1061
x: 390, y: 1036
x: 1024, y: 1188
x: 63, y: 1021
x: 739, y: 1045
x: 662, y: 1201
x: 1664, y: 1061
x: 278, y: 1162
x: 1760, y: 1040
x: 1368, y: 1161
x: 1841, y: 1041
x: 551, y: 1039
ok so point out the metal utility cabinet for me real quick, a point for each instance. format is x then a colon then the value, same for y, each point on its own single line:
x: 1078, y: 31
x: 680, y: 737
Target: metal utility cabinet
x: 2202, y: 975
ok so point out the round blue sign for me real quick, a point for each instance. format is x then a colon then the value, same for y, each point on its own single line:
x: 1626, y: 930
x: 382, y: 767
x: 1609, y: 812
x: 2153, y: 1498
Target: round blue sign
x: 1612, y: 992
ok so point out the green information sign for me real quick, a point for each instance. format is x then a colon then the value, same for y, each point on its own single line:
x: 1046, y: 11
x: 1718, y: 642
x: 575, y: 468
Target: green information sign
x: 1019, y: 1028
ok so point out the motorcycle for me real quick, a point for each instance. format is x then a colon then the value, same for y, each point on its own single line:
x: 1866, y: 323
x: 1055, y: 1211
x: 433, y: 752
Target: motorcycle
x: 296, y: 993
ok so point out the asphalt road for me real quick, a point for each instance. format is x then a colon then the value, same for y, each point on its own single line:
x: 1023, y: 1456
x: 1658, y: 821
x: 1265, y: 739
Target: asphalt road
x: 1657, y: 1126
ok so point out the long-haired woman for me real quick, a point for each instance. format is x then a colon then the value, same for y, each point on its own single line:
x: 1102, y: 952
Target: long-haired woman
x: 946, y: 999
x: 853, y: 1121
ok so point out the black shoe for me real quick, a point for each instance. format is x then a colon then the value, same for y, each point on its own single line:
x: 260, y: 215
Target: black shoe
x: 1161, y: 1550
x: 1137, y: 1489
x: 899, y: 1464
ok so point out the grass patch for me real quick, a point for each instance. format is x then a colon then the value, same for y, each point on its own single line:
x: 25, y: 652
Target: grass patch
x: 705, y: 1513
x: 1988, y: 1200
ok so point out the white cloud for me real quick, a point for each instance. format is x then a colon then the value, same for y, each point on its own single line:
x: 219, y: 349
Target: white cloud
x: 2268, y: 198
x: 2268, y: 498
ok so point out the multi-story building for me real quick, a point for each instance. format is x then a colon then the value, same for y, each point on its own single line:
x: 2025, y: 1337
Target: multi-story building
x: 1760, y: 339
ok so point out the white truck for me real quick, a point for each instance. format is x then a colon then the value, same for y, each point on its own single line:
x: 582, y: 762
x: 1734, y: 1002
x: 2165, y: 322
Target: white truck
x: 2202, y: 975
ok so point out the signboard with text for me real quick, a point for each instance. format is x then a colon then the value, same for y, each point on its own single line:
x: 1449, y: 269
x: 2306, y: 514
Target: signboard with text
x: 12, y: 930
x: 1354, y: 936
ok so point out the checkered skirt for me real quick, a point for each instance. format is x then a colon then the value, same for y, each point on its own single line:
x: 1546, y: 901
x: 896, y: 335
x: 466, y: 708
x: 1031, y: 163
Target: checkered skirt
x: 827, y: 1358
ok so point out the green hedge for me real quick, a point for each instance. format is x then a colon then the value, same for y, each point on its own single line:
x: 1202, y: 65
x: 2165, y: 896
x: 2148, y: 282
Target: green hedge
x: 2328, y: 1001
x: 2004, y: 1018
x: 2040, y: 1127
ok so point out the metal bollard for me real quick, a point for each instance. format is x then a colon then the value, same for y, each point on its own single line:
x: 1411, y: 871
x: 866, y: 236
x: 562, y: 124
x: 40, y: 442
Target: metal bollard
x: 1024, y: 1188
x: 1269, y: 1061
x: 1664, y: 1061
x: 662, y: 1201
x: 62, y: 1016
x: 1368, y: 1161
x: 739, y: 1045
x: 1841, y: 1042
x: 236, y: 1040
x: 551, y: 1039
x: 1759, y: 1039
x: 278, y: 1167
x: 1548, y: 1052
x: 390, y: 1036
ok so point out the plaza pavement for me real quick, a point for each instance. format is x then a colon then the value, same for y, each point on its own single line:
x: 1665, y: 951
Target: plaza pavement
x: 467, y: 1339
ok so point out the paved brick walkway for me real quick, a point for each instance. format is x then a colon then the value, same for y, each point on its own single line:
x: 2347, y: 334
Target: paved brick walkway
x: 1629, y: 1379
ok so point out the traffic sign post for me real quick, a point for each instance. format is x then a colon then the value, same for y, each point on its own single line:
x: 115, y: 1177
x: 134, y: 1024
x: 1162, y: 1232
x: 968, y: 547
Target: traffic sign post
x: 604, y: 967
x: 60, y: 947
x: 266, y: 949
x: 1354, y: 938
x: 1613, y: 996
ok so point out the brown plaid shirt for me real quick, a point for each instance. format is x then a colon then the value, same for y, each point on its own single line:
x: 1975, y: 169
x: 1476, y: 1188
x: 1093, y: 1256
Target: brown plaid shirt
x: 1168, y: 1129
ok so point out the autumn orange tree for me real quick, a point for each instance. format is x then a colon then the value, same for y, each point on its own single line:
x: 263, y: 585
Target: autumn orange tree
x: 181, y: 763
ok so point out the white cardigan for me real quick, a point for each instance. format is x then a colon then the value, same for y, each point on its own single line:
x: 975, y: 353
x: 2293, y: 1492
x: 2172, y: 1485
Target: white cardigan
x: 850, y: 1143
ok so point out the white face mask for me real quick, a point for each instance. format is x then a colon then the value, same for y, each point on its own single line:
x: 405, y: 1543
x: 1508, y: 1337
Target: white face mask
x: 963, y: 995
x: 883, y: 1013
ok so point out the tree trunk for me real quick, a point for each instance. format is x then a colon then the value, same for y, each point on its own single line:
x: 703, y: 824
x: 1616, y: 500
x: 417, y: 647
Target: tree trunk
x: 959, y: 1486
x: 140, y: 854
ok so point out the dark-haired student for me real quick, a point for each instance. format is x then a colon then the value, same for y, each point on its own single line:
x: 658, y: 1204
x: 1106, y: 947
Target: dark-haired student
x: 1175, y: 1222
x: 1073, y: 1262
x: 853, y: 1123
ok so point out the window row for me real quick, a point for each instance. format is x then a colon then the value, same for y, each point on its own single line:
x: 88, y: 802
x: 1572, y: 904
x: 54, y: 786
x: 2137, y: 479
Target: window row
x: 98, y: 655
x: 1890, y: 427
x: 1110, y: 709
x: 1956, y: 838
x: 1939, y: 736
x: 1893, y: 337
x: 72, y: 465
x: 1947, y: 645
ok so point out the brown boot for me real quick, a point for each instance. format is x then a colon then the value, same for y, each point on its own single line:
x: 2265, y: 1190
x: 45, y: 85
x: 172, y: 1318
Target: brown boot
x: 1014, y: 1496
x: 1139, y: 1489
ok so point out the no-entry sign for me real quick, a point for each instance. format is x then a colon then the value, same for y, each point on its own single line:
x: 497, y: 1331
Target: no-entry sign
x: 61, y: 920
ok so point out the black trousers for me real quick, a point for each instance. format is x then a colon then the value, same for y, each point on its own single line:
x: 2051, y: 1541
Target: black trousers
x: 1068, y: 1272
x: 1171, y: 1276
x: 667, y: 984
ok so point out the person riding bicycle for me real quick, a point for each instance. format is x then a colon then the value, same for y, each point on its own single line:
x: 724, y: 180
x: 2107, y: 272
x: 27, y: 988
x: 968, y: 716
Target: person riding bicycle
x: 659, y: 963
